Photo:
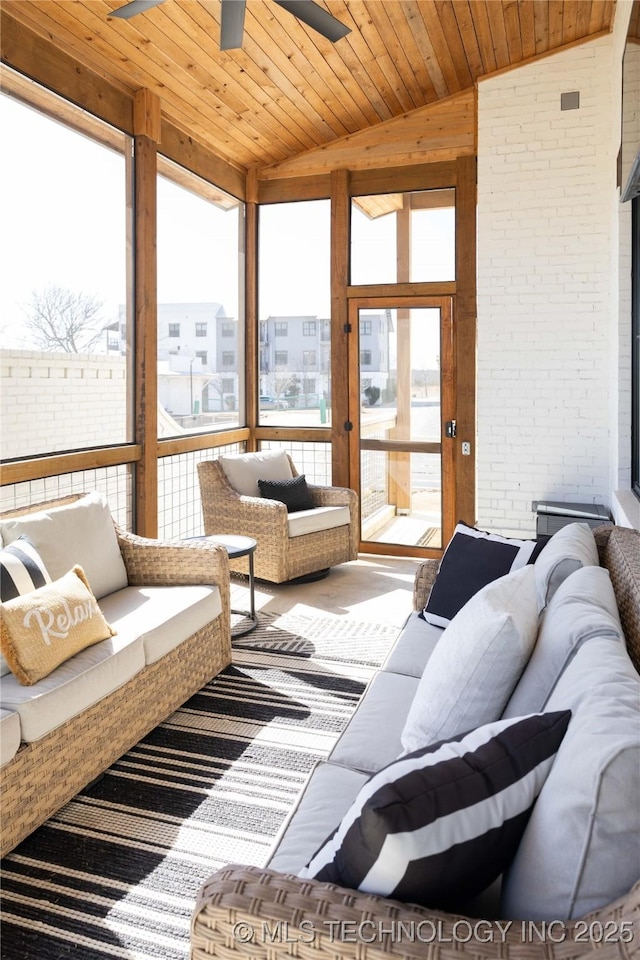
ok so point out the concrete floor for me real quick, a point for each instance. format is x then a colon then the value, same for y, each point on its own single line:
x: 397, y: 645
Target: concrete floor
x: 374, y: 589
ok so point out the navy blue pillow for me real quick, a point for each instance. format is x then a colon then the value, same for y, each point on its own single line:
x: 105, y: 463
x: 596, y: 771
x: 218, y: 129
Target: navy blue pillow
x: 294, y: 493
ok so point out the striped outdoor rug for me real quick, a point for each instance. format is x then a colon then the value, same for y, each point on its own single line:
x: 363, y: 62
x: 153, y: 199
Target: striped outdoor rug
x: 115, y: 873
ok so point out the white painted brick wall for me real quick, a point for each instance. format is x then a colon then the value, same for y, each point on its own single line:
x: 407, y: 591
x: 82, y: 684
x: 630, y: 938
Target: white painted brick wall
x: 53, y: 401
x: 547, y: 231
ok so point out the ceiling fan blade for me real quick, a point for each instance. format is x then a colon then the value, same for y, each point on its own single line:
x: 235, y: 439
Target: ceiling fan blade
x: 316, y: 17
x: 232, y: 24
x: 136, y: 6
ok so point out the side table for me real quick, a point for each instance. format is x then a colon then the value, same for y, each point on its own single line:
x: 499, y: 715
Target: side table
x: 237, y: 546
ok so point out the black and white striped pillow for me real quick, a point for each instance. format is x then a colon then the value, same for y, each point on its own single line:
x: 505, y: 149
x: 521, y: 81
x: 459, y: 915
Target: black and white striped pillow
x: 21, y: 569
x: 437, y: 826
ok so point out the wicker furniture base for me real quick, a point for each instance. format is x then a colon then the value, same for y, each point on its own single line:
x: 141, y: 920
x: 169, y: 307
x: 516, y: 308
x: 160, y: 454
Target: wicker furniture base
x: 46, y: 774
x: 278, y: 557
x: 262, y: 914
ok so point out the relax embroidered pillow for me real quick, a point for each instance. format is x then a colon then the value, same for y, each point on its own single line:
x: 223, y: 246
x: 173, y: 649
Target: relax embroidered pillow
x: 43, y: 628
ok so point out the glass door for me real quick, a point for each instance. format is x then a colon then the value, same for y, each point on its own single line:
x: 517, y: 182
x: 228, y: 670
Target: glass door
x: 402, y: 415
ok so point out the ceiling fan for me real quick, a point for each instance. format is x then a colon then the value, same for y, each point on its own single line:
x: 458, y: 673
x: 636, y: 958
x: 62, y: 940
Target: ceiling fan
x: 232, y: 23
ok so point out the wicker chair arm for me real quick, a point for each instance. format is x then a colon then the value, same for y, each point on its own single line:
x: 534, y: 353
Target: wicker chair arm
x: 158, y: 563
x: 424, y: 580
x: 259, y: 913
x: 333, y: 496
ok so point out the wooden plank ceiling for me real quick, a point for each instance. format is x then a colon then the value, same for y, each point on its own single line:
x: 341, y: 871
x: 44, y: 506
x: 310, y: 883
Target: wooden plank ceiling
x: 289, y: 90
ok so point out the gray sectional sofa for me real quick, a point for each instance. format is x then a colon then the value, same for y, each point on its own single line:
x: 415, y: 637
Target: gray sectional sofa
x: 580, y: 849
x: 169, y: 606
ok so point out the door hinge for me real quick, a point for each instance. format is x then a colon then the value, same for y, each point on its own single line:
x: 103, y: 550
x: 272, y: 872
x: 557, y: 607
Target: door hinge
x: 347, y: 328
x: 348, y: 426
x: 450, y: 428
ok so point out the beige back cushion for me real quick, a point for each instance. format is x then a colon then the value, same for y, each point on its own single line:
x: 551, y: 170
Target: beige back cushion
x: 81, y: 533
x: 245, y: 469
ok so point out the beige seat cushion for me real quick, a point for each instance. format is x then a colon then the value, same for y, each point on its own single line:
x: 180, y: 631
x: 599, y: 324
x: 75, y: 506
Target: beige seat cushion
x: 73, y: 686
x: 9, y: 735
x: 320, y: 518
x: 163, y: 617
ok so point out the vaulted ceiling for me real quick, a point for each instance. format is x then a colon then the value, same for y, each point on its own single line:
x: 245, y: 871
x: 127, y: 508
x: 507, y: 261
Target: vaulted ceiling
x: 288, y: 89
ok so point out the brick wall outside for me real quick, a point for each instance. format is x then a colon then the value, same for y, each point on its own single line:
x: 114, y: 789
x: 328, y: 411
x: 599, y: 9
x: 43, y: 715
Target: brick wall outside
x: 547, y: 285
x: 52, y: 401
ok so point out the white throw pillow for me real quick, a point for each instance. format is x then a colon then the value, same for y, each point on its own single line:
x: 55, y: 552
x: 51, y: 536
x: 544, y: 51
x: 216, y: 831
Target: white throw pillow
x: 583, y: 607
x: 571, y: 548
x: 79, y: 533
x: 245, y: 469
x: 477, y: 662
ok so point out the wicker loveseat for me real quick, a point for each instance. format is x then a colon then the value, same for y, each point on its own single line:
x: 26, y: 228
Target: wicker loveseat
x: 172, y: 620
x: 270, y: 912
x: 290, y: 545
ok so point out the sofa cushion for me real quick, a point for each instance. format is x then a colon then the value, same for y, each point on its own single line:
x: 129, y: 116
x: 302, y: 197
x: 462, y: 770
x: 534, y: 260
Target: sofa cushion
x: 475, y: 666
x: 163, y: 617
x: 21, y: 569
x: 243, y: 470
x: 473, y: 559
x: 294, y: 493
x: 320, y: 518
x: 583, y: 607
x: 47, y: 626
x: 328, y: 794
x: 73, y: 686
x: 439, y: 825
x: 9, y: 735
x: 372, y: 738
x: 81, y: 533
x: 414, y: 646
x: 570, y: 548
x: 581, y: 848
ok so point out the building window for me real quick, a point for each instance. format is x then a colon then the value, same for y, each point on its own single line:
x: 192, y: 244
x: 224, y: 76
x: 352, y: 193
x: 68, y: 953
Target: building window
x: 308, y: 385
x: 281, y: 328
x: 228, y: 329
x: 174, y: 329
x: 227, y: 385
x: 201, y: 329
x: 309, y: 328
x: 365, y: 358
x: 281, y: 358
x: 308, y: 358
x: 365, y: 328
x: 228, y: 358
x: 202, y: 355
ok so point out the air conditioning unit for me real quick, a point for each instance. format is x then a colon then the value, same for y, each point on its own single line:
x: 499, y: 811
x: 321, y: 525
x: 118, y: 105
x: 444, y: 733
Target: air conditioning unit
x: 552, y: 515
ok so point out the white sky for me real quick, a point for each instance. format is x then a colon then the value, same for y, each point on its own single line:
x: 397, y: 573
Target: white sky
x: 70, y: 232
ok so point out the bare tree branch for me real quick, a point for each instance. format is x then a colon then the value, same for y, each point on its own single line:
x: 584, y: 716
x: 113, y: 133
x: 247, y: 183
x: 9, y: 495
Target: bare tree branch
x: 60, y: 319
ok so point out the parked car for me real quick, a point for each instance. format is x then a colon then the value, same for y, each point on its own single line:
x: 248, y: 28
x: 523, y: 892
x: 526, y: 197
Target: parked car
x: 273, y: 403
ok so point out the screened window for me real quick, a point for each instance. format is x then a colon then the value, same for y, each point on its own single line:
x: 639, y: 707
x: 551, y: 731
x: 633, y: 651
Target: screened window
x: 403, y: 237
x: 66, y: 319
x: 200, y: 251
x: 294, y: 304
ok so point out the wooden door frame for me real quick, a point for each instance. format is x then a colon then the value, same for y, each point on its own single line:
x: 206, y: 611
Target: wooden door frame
x: 447, y: 450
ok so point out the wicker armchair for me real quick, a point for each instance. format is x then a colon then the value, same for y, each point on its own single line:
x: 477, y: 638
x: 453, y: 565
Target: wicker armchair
x: 278, y: 556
